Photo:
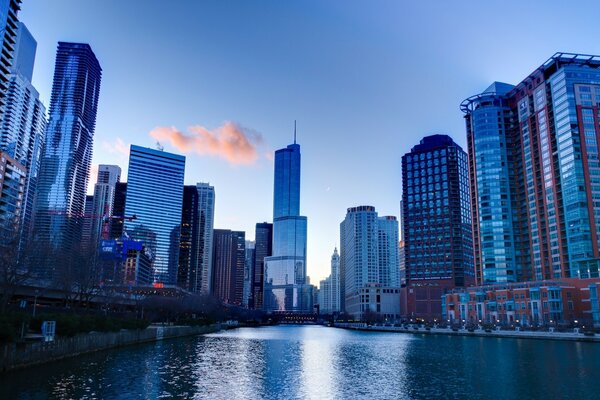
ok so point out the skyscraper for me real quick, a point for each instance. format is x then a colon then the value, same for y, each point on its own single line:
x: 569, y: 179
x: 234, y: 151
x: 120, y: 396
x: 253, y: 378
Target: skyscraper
x: 248, y: 272
x: 67, y: 154
x: 188, y: 243
x: 229, y: 258
x: 263, y: 247
x: 329, y: 288
x: 8, y: 27
x: 23, y: 125
x: 118, y: 211
x: 155, y: 197
x: 104, y: 195
x: 388, y: 257
x: 436, y: 217
x: 12, y: 187
x: 535, y: 174
x: 285, y: 285
x: 206, y: 213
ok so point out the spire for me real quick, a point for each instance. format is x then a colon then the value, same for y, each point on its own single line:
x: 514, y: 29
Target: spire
x: 294, y: 131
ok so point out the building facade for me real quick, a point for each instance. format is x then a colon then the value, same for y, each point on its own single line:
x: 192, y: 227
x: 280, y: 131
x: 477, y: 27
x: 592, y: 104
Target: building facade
x: 104, y: 196
x: 329, y: 288
x: 66, y: 159
x: 263, y: 247
x: 568, y: 301
x: 533, y: 152
x: 118, y: 211
x: 12, y: 192
x: 249, y: 272
x: 229, y: 258
x: 368, y: 261
x: 8, y: 28
x: 206, y: 213
x: 285, y: 284
x: 155, y: 197
x: 436, y: 215
x: 22, y: 128
x: 188, y: 242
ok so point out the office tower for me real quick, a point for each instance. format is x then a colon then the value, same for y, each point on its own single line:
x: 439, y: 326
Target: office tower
x: 263, y: 247
x: 388, y: 257
x: 533, y: 158
x: 329, y: 288
x: 188, y: 244
x: 8, y: 27
x: 118, y: 211
x: 87, y: 222
x: 23, y: 125
x: 206, y: 213
x: 402, y: 263
x: 155, y: 197
x: 437, y: 220
x: 364, y: 279
x: 104, y: 195
x: 67, y: 153
x: 285, y: 286
x: 229, y: 257
x: 248, y: 272
x: 12, y: 188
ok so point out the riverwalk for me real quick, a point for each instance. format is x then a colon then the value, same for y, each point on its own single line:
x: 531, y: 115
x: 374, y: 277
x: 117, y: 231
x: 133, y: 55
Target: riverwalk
x: 21, y: 355
x: 461, y: 331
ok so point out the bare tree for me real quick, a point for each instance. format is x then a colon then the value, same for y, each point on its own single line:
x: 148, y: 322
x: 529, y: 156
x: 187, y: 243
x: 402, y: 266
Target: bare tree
x: 13, y: 272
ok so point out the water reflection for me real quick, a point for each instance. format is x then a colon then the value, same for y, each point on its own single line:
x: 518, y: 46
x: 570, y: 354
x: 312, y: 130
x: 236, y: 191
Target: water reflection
x: 313, y: 362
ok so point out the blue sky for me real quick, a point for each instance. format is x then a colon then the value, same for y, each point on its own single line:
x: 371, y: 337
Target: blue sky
x: 365, y: 81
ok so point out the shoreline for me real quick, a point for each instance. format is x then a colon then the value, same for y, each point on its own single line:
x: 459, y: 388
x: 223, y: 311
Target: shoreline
x: 16, y: 356
x: 562, y: 336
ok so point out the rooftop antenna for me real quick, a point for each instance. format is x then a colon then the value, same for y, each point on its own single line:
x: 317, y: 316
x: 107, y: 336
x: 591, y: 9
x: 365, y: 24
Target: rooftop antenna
x: 294, y: 131
x: 159, y: 146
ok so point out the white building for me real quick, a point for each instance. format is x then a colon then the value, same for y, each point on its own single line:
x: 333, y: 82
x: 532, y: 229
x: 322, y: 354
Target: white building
x: 329, y: 290
x: 369, y: 263
x: 104, y: 195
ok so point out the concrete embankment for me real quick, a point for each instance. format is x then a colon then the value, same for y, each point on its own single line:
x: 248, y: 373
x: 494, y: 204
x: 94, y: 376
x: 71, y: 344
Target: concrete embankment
x: 569, y: 336
x: 15, y: 356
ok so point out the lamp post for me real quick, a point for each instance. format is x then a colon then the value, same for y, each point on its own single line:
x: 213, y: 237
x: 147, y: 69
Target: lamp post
x: 37, y: 293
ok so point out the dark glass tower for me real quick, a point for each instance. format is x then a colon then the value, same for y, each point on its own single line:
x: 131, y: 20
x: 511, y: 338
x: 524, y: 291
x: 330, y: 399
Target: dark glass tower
x: 188, y: 244
x: 263, y: 247
x: 285, y: 283
x: 67, y: 154
x: 229, y: 258
x: 437, y: 221
x: 118, y: 210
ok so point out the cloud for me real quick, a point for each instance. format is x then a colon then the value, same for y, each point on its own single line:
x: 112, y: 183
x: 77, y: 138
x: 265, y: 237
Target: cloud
x: 118, y: 147
x: 231, y: 142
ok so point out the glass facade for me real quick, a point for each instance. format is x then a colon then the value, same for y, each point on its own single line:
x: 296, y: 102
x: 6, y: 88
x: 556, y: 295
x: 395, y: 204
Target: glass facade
x: 436, y: 214
x: 285, y: 283
x: 23, y: 126
x: 66, y: 159
x: 154, y: 197
x: 263, y: 247
x: 548, y: 127
x: 206, y: 214
x: 229, y: 259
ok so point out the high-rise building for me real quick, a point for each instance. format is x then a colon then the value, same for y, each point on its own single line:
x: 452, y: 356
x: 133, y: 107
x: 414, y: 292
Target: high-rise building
x: 23, y: 125
x: 263, y: 247
x: 87, y: 222
x: 8, y: 26
x: 155, y: 197
x: 535, y: 174
x: 118, y: 211
x: 285, y: 285
x: 206, y: 213
x: 436, y: 217
x: 188, y: 243
x: 365, y: 279
x: 329, y: 288
x: 67, y: 154
x: 248, y: 272
x: 104, y: 196
x: 12, y: 188
x: 229, y: 258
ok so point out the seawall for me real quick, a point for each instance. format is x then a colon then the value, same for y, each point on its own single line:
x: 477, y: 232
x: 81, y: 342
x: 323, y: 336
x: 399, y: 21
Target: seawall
x: 15, y: 356
x: 580, y: 337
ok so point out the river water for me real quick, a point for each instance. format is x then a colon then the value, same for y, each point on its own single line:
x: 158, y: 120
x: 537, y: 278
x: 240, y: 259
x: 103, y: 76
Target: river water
x: 313, y: 362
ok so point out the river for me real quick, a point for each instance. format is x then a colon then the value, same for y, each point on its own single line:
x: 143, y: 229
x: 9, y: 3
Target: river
x: 314, y: 362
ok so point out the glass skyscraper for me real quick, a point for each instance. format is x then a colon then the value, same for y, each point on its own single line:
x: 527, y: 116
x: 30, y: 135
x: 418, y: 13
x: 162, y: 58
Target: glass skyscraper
x: 67, y: 154
x: 436, y: 217
x: 534, y: 162
x: 285, y: 284
x: 23, y: 125
x: 155, y: 197
x: 206, y: 213
x: 8, y: 27
x: 263, y: 248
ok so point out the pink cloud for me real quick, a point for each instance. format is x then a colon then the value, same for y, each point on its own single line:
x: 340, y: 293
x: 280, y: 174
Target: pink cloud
x: 230, y: 142
x: 118, y: 147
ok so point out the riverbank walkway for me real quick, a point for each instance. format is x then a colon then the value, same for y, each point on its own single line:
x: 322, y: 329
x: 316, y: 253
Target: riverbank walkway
x: 478, y: 332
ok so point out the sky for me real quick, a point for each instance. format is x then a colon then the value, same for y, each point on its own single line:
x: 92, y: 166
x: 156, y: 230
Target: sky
x: 223, y: 81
